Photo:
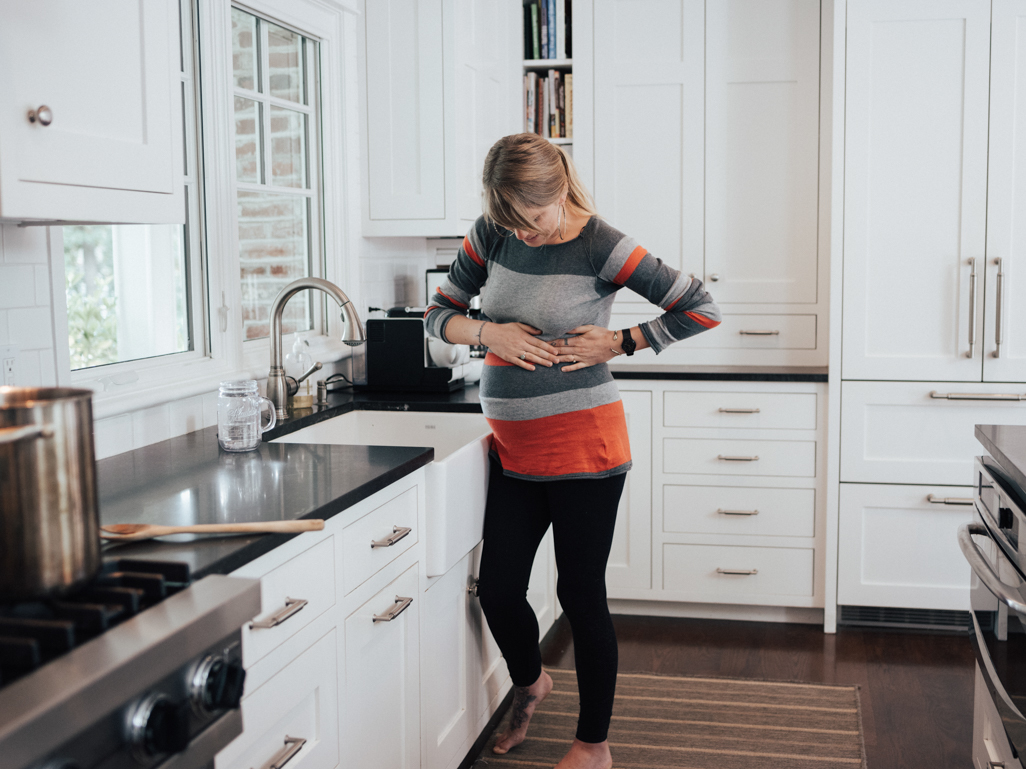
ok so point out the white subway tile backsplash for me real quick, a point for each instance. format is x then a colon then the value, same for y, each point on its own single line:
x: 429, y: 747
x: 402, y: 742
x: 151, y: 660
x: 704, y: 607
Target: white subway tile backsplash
x: 4, y: 337
x: 186, y: 415
x: 27, y: 373
x: 42, y: 285
x: 47, y: 369
x: 24, y: 245
x: 113, y: 435
x: 30, y: 327
x: 18, y: 286
x: 209, y: 408
x: 151, y: 425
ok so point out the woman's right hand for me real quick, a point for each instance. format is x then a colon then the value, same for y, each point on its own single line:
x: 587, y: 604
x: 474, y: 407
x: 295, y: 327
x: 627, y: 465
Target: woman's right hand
x: 511, y: 340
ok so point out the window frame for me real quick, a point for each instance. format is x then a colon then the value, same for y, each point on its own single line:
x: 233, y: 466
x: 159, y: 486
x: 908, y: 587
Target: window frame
x: 219, y: 350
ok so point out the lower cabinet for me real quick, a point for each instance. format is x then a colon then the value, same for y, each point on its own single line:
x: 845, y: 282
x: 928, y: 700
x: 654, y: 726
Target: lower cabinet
x: 463, y: 675
x: 293, y: 717
x: 899, y: 546
x: 381, y: 678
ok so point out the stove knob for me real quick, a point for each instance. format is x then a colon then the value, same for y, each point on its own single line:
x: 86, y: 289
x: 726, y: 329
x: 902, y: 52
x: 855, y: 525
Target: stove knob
x: 216, y: 685
x: 157, y: 726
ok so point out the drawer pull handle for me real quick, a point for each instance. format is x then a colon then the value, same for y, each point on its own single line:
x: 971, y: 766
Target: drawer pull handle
x: 740, y: 572
x: 998, y: 326
x: 292, y: 746
x: 972, y: 308
x: 292, y: 606
x: 721, y: 511
x: 398, y: 532
x: 472, y: 586
x: 727, y: 458
x: 977, y: 396
x: 739, y: 411
x: 401, y: 604
x: 759, y: 333
x: 948, y: 500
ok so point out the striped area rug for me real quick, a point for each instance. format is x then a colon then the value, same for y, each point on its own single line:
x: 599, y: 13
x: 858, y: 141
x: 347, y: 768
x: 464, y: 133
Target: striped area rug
x: 701, y: 723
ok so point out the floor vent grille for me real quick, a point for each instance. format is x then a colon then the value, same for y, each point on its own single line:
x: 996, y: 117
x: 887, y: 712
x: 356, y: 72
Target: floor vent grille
x: 904, y: 619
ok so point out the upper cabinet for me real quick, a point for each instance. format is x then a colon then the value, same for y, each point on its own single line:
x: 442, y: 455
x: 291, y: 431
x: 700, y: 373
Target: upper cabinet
x: 707, y: 152
x: 91, y: 111
x: 440, y: 87
x: 934, y: 184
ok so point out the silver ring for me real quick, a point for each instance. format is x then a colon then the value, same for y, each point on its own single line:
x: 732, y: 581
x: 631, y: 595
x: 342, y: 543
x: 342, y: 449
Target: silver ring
x: 523, y: 356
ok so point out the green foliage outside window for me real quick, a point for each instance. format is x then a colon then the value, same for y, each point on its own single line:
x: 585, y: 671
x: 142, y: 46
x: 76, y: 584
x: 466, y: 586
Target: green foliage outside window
x: 92, y: 304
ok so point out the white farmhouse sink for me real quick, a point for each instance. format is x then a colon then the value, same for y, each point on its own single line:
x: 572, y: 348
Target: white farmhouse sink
x: 457, y: 480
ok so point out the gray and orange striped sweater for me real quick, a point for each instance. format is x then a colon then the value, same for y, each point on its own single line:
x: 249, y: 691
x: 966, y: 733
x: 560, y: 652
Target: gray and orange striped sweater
x: 547, y: 425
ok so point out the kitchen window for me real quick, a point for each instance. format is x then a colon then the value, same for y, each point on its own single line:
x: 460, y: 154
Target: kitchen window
x: 159, y: 313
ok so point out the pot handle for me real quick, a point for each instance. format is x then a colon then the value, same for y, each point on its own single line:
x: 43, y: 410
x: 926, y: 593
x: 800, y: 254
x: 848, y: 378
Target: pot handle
x: 25, y: 432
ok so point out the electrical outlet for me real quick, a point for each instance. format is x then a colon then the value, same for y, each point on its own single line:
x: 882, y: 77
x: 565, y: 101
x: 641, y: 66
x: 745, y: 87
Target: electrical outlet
x: 9, y: 364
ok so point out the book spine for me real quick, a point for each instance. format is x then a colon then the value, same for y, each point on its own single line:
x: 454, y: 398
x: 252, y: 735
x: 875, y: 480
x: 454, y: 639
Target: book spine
x: 535, y: 32
x: 546, y: 113
x: 570, y: 106
x: 552, y: 28
x: 543, y: 12
x: 569, y: 5
x: 560, y: 29
x: 527, y: 32
x: 562, y: 106
x: 532, y: 103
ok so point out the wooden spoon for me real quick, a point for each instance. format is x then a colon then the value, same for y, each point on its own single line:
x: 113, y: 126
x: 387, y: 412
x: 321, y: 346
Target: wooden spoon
x: 126, y: 532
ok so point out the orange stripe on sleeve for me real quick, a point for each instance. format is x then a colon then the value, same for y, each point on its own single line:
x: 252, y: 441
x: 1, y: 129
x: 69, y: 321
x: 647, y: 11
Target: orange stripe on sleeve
x: 491, y: 359
x: 703, y: 321
x: 458, y: 304
x: 629, y: 266
x: 470, y: 251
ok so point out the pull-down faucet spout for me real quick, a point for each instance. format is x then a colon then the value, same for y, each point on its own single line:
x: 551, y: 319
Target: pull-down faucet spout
x: 277, y: 391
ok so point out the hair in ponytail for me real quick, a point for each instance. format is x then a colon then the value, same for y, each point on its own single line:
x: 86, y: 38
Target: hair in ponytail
x: 525, y: 171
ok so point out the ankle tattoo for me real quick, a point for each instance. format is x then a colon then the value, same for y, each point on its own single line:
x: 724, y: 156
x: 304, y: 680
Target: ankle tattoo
x: 521, y: 699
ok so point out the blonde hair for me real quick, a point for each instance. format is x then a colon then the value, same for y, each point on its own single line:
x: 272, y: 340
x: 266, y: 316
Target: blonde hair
x: 525, y: 171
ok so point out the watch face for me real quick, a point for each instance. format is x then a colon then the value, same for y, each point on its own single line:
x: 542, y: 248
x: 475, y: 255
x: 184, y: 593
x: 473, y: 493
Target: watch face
x: 628, y: 344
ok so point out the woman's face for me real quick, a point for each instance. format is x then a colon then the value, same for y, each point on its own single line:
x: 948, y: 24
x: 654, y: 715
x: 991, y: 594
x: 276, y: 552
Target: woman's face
x: 547, y: 219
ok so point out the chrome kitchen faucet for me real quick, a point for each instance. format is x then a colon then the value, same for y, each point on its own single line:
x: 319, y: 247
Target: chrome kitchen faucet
x: 277, y: 391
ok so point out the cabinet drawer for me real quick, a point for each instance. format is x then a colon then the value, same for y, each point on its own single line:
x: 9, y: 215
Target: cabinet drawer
x: 900, y: 550
x: 309, y: 577
x: 739, y: 510
x: 790, y: 411
x: 360, y: 559
x: 761, y: 332
x: 895, y: 432
x: 699, y: 569
x: 300, y: 701
x: 724, y: 456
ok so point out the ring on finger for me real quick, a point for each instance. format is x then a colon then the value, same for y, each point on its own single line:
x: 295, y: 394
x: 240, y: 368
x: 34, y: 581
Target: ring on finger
x: 523, y: 356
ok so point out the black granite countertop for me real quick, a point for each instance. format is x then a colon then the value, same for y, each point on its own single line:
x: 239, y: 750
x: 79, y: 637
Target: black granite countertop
x: 189, y: 480
x: 723, y: 373
x: 1007, y: 444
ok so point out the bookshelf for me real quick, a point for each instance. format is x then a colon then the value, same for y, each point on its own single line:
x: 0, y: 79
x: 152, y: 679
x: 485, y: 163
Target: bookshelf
x: 548, y: 70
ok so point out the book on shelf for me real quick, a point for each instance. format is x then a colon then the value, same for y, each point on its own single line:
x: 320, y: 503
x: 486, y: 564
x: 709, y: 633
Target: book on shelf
x: 543, y: 11
x: 547, y: 29
x: 569, y: 105
x: 548, y: 104
x: 560, y: 12
x: 550, y: 7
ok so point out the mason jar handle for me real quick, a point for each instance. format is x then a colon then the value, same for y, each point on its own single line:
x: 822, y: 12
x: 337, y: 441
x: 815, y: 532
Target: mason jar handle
x: 266, y: 404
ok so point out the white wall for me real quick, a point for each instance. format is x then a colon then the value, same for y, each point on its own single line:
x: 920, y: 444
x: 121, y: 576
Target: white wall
x: 391, y: 273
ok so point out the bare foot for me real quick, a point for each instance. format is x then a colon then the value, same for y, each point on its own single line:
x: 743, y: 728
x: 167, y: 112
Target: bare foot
x: 587, y: 755
x: 525, y: 700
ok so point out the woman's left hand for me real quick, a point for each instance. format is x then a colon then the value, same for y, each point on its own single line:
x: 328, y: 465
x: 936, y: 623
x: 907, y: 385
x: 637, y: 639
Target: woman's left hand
x: 592, y: 345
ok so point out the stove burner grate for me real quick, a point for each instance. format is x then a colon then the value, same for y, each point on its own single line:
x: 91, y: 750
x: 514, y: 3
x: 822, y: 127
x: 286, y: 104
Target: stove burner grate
x: 35, y: 632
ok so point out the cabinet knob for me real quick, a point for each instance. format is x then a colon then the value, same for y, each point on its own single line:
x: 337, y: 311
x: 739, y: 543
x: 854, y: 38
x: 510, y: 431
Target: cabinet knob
x: 43, y: 115
x: 714, y: 277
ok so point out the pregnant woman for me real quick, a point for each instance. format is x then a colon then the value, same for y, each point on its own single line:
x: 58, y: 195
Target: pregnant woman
x: 547, y: 269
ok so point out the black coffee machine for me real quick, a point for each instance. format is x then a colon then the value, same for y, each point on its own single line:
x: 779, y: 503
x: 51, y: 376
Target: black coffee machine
x: 397, y: 358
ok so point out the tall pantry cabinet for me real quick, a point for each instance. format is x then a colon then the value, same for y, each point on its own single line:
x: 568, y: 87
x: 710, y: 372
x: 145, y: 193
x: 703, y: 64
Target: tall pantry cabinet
x: 706, y: 151
x: 934, y: 329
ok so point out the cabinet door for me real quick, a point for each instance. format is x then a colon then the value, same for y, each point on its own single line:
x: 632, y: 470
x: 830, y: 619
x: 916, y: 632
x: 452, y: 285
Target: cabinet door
x: 1006, y: 198
x: 405, y: 125
x: 897, y: 549
x: 382, y: 722
x: 915, y: 190
x: 541, y: 591
x: 649, y: 126
x: 762, y: 150
x: 73, y: 57
x: 630, y: 560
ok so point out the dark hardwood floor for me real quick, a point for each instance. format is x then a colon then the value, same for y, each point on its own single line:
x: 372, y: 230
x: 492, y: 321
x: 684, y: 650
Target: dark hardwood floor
x: 916, y: 689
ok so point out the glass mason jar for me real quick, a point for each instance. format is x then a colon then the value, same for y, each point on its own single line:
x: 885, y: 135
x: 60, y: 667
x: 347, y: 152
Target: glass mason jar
x: 238, y: 415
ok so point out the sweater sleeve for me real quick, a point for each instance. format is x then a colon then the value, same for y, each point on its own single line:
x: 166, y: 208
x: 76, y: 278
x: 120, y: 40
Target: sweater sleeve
x: 688, y: 309
x: 466, y: 276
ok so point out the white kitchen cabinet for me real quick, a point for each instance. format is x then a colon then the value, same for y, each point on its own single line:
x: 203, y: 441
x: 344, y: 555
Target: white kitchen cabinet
x: 630, y: 558
x: 915, y: 189
x: 900, y: 549
x: 541, y: 591
x: 707, y: 153
x: 440, y: 86
x: 104, y: 80
x: 380, y: 693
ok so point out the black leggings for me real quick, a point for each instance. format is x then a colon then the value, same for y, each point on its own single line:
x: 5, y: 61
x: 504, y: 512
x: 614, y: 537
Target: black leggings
x: 582, y: 513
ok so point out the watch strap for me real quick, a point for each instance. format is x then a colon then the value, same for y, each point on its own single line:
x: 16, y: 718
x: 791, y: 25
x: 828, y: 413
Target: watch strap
x: 628, y: 344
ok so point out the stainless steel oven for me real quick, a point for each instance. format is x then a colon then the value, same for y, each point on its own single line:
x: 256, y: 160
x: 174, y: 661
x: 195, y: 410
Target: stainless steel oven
x: 998, y: 618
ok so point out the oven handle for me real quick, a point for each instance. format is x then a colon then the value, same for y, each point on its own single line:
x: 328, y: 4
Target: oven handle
x: 1010, y: 714
x: 1007, y: 594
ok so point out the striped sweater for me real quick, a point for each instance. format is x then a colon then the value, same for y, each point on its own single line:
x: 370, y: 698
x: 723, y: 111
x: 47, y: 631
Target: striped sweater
x: 548, y: 425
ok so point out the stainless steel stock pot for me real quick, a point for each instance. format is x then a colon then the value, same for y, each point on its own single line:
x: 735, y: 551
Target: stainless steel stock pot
x: 49, y: 517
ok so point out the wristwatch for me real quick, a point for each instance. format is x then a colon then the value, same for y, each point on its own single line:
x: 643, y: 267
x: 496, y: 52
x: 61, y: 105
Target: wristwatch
x: 628, y: 345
